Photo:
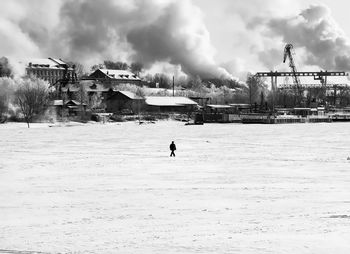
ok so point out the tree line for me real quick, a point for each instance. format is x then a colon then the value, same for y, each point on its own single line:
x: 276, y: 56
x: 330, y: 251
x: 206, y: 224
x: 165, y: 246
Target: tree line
x: 135, y: 67
x: 29, y: 96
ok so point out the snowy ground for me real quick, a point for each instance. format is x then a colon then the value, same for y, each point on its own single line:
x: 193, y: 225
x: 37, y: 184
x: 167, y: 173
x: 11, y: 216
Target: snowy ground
x: 231, y: 189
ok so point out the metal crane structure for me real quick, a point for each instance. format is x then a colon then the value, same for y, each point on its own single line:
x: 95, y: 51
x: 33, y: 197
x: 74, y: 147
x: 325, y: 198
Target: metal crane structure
x: 288, y: 53
x: 320, y: 76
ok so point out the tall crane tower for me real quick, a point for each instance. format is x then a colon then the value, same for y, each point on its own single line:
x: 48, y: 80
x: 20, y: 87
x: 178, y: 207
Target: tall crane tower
x: 288, y: 53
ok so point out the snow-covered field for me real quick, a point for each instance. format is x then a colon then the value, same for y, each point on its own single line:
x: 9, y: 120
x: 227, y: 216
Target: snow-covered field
x: 232, y: 188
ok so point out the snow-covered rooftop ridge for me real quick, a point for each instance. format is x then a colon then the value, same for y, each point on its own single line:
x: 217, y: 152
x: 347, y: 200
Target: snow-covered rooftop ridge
x: 217, y: 106
x: 130, y: 95
x: 169, y: 101
x: 120, y: 74
x: 45, y: 62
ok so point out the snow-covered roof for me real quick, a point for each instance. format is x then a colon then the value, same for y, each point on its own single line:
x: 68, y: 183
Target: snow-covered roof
x: 130, y: 95
x: 169, y: 101
x: 45, y: 62
x: 75, y: 102
x: 59, y: 61
x: 218, y: 106
x: 215, y: 106
x: 239, y: 105
x: 120, y: 74
x: 56, y: 103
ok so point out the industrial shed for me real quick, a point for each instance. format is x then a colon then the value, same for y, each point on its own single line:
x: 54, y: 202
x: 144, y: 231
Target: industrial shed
x: 74, y: 107
x: 123, y: 102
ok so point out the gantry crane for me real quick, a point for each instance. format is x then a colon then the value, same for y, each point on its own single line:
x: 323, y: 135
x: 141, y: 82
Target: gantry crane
x: 321, y: 76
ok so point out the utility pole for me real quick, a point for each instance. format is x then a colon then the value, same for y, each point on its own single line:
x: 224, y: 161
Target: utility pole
x: 273, y: 88
x: 173, y: 86
x: 82, y: 111
x: 138, y: 109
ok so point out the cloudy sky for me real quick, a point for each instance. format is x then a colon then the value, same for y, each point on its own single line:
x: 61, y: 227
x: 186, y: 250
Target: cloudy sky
x: 222, y: 38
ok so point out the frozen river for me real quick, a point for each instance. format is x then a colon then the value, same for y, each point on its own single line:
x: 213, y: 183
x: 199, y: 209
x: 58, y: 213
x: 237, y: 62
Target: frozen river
x: 232, y: 188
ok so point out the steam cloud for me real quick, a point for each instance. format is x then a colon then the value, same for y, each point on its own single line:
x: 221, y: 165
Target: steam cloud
x: 178, y: 36
x: 90, y: 31
x: 315, y: 33
x: 168, y: 32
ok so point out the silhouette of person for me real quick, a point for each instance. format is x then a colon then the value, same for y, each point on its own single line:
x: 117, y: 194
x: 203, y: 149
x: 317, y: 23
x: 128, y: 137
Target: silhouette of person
x: 172, y: 148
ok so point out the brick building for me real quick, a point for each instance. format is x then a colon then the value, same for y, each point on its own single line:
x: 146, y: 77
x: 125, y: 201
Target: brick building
x: 50, y: 69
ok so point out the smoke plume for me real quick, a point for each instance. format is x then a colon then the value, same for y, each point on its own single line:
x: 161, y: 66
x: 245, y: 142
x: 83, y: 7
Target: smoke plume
x: 180, y: 37
x: 313, y: 33
x: 172, y: 34
x: 90, y: 31
x: 144, y: 30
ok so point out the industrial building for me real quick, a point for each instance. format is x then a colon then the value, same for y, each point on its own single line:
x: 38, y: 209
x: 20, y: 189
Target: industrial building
x: 50, y: 69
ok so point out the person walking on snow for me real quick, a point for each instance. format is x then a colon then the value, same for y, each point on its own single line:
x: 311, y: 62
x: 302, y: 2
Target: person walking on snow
x: 172, y: 148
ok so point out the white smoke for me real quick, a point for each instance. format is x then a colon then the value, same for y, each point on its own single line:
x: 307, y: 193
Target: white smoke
x: 25, y: 26
x: 179, y: 36
x: 90, y: 31
x: 314, y: 34
x: 173, y: 33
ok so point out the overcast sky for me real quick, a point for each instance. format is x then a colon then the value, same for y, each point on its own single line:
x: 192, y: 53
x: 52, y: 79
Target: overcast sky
x: 222, y: 38
x: 222, y: 19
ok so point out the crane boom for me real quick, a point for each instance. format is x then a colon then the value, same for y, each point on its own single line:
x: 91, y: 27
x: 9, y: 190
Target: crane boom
x: 288, y: 54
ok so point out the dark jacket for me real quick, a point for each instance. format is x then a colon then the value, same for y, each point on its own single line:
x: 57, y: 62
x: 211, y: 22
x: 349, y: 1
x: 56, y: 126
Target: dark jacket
x: 172, y: 147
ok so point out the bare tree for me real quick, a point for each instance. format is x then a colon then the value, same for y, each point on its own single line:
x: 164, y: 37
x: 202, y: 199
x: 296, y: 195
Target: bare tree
x: 115, y: 65
x: 5, y: 69
x: 32, y: 97
x: 6, y: 91
x: 95, y: 103
x: 254, y: 87
x: 4, y: 104
x: 78, y: 68
x: 136, y: 68
x: 162, y: 80
x: 97, y: 66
